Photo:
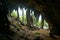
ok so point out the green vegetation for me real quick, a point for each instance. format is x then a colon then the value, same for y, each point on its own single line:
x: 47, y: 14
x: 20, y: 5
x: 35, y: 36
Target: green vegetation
x: 35, y: 22
x: 14, y: 14
x: 45, y: 24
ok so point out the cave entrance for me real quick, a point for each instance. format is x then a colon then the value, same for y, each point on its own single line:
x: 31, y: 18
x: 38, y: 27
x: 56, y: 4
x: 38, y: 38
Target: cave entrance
x: 29, y: 17
x: 26, y: 20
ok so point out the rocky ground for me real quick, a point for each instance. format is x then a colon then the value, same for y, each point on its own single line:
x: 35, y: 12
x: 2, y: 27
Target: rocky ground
x: 21, y: 32
x: 26, y: 34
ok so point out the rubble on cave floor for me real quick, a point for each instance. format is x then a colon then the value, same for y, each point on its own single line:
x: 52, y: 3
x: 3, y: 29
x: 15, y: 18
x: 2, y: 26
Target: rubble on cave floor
x: 26, y: 34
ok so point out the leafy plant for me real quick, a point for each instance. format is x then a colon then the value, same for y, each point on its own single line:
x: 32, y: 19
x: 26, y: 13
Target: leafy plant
x: 14, y: 14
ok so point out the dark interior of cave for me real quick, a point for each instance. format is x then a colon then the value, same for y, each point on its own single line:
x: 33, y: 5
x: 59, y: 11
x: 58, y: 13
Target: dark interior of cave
x: 29, y: 19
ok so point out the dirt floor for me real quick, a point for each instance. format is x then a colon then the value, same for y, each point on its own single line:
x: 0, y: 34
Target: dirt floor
x: 25, y: 33
x: 41, y: 34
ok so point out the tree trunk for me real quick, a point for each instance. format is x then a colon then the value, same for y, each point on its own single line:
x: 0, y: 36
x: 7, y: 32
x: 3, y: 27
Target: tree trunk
x: 22, y: 15
x: 31, y: 19
x: 17, y: 14
x: 28, y: 17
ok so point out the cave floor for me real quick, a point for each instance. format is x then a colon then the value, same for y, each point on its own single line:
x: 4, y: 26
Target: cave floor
x: 25, y: 33
x: 41, y: 34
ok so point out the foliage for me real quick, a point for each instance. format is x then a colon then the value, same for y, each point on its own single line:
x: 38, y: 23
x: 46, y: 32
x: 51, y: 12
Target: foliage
x: 45, y: 24
x: 35, y: 22
x: 21, y: 19
x: 14, y: 14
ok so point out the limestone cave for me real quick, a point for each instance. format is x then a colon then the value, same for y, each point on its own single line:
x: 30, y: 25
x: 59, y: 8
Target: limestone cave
x: 29, y: 20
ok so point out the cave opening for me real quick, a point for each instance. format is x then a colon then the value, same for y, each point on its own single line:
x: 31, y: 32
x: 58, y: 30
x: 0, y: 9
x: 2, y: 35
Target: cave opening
x: 26, y: 20
x: 35, y: 19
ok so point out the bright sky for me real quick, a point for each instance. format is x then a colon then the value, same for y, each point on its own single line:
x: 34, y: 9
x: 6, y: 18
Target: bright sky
x: 15, y: 11
x: 20, y: 11
x: 39, y: 18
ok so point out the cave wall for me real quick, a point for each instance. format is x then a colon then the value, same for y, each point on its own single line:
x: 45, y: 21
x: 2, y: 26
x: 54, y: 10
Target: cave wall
x: 52, y: 15
x: 4, y: 23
